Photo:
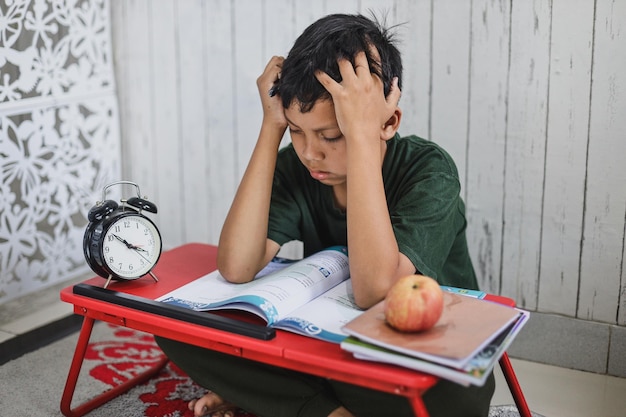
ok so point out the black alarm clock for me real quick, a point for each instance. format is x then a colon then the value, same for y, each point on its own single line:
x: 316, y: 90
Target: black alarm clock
x: 120, y: 242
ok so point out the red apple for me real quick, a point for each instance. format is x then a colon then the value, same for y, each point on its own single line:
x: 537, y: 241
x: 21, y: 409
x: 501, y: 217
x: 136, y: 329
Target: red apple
x: 414, y: 303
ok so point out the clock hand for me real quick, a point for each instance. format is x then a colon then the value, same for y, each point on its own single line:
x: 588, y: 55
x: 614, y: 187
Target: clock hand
x: 133, y: 247
x: 146, y: 259
x: 128, y: 245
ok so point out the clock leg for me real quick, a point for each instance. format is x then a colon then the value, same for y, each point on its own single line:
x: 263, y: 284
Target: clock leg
x: 153, y: 276
x: 106, y: 284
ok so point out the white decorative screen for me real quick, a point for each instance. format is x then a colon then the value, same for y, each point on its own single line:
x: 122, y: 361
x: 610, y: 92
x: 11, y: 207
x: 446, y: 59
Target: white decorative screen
x: 59, y: 136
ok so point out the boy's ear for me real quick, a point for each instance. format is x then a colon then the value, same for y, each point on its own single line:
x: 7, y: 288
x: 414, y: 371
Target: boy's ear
x: 391, y: 126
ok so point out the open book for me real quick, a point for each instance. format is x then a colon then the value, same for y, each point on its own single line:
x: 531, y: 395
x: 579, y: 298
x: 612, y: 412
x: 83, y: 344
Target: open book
x: 312, y: 296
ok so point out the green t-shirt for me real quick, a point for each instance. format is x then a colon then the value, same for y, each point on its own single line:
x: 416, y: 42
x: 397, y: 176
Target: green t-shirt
x: 427, y: 213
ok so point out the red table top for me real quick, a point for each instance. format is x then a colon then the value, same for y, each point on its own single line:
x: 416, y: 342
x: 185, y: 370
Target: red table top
x: 188, y: 262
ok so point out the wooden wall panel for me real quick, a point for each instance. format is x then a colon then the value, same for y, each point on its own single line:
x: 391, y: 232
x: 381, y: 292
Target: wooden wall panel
x: 347, y: 6
x: 304, y: 13
x: 605, y: 199
x: 134, y: 84
x: 449, y: 94
x: 192, y: 111
x: 165, y: 104
x: 380, y: 8
x: 249, y: 62
x: 221, y: 119
x: 279, y: 28
x: 525, y: 150
x: 486, y: 141
x: 566, y: 154
x: 413, y: 34
x: 528, y: 97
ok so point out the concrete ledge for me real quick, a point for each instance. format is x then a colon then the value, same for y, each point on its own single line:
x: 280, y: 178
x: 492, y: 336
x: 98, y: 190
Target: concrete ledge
x: 37, y: 338
x: 617, y: 352
x: 572, y: 343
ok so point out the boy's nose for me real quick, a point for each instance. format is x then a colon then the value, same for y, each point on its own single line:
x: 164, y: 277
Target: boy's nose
x: 311, y: 151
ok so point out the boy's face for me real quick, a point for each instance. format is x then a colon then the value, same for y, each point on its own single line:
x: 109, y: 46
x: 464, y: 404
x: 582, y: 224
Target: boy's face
x: 318, y: 142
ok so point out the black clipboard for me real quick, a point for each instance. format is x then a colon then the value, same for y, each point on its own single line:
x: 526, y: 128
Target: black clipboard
x: 176, y: 312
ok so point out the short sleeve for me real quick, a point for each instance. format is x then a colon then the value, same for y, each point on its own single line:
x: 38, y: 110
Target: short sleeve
x: 426, y: 222
x: 427, y: 212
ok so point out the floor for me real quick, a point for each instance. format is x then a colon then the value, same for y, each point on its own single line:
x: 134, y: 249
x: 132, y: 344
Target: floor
x: 30, y: 312
x: 559, y: 392
x: 549, y: 390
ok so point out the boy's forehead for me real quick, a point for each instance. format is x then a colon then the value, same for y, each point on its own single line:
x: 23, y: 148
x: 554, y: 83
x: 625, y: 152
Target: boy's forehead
x: 321, y: 105
x: 322, y: 114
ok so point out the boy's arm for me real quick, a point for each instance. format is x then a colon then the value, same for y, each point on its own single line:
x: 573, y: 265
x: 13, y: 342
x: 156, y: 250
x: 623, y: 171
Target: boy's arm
x: 367, y: 120
x: 244, y: 248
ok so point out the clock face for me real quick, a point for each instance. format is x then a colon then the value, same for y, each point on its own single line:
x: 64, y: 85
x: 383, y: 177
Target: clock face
x: 131, y: 246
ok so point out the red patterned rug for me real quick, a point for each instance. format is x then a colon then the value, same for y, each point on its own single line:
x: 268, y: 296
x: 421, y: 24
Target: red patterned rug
x: 130, y: 353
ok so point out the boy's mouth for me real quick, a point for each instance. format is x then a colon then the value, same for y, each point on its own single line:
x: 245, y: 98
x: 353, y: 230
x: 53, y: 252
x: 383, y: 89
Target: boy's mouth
x: 319, y: 175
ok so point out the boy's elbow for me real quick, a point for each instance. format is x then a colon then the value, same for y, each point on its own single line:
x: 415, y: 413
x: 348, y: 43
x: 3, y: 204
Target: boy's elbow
x: 233, y: 269
x: 365, y: 298
x: 238, y: 280
x: 365, y: 302
x: 362, y: 304
x: 234, y: 273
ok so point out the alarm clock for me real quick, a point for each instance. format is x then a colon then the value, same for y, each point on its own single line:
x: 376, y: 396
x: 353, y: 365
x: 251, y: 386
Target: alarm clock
x: 120, y: 242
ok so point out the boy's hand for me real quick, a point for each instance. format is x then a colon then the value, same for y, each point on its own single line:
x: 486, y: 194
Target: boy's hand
x: 273, y: 111
x: 360, y: 103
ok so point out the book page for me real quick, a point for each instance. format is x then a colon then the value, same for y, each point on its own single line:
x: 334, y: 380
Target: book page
x: 323, y: 317
x: 270, y: 296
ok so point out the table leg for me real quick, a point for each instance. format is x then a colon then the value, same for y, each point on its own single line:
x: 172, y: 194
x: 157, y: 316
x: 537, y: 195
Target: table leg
x: 72, y: 377
x: 514, y: 387
x: 418, y: 406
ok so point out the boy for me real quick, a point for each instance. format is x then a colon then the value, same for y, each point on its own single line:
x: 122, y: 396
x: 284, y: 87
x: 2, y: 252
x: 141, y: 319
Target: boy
x: 347, y: 178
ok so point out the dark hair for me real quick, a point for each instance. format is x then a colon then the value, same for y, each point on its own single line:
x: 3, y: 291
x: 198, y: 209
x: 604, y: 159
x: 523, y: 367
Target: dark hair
x: 323, y: 43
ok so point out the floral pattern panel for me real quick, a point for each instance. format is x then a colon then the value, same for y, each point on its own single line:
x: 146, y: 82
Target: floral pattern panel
x: 59, y: 136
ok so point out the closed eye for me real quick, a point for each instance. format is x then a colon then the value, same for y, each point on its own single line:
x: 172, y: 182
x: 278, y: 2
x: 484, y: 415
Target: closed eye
x: 333, y: 139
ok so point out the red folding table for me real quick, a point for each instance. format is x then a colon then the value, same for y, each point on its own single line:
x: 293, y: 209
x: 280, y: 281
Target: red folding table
x: 188, y: 262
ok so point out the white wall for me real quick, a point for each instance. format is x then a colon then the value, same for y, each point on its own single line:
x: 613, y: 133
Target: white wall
x: 528, y: 96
